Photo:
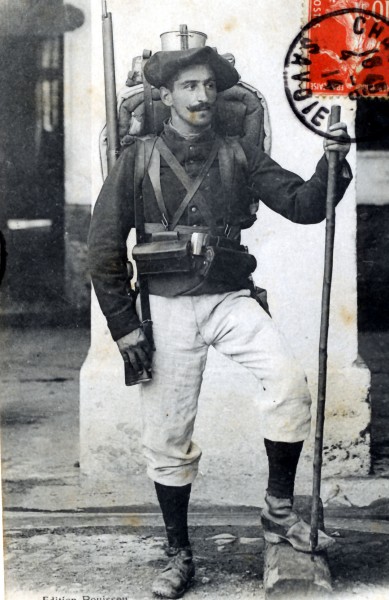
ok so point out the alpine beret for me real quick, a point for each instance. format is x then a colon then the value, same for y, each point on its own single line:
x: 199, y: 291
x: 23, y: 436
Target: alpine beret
x: 162, y: 66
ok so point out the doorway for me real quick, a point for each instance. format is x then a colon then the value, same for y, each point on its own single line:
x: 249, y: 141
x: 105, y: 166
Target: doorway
x: 32, y: 178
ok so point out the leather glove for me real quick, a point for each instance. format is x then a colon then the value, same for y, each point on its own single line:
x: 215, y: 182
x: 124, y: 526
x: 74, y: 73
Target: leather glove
x: 136, y: 350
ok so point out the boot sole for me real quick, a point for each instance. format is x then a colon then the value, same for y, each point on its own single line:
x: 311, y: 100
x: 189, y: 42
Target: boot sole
x: 179, y: 594
x: 277, y: 538
x: 274, y: 538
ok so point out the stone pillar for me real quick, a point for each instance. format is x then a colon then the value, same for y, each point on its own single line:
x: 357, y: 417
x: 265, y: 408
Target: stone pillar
x: 290, y: 266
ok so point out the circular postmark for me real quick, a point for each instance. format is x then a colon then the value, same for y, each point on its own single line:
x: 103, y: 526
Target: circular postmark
x: 344, y: 53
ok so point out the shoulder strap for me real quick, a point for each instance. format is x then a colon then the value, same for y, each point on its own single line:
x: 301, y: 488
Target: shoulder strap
x: 143, y: 153
x: 142, y: 156
x: 231, y: 153
x: 139, y: 173
x: 241, y: 159
x: 226, y: 167
x: 227, y: 174
x: 154, y: 171
x: 240, y: 155
x: 192, y: 186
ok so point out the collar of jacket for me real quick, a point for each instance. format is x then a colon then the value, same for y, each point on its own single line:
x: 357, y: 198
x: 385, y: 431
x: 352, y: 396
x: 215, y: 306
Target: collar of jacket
x: 188, y: 152
x: 170, y: 133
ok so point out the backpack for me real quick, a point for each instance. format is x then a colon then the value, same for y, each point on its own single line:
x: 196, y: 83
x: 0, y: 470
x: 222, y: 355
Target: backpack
x: 241, y: 112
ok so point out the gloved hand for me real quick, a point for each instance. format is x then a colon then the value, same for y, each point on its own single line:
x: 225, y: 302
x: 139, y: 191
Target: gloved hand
x: 341, y: 145
x: 135, y: 349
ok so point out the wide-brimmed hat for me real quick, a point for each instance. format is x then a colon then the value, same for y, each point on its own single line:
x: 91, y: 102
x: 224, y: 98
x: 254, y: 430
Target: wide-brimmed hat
x: 162, y: 66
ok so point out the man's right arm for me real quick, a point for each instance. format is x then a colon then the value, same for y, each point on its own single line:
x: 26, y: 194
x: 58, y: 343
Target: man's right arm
x: 112, y: 219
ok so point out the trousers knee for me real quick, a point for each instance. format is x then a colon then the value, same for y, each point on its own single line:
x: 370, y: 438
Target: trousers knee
x: 287, y: 371
x: 170, y: 465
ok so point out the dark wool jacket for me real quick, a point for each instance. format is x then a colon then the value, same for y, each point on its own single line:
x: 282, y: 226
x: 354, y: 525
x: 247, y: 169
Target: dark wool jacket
x: 282, y: 191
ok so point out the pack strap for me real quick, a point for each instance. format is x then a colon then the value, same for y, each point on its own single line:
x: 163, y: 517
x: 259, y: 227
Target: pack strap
x: 143, y: 154
x: 240, y: 155
x: 226, y: 169
x: 231, y: 153
x: 139, y: 172
x: 191, y: 186
x: 154, y: 171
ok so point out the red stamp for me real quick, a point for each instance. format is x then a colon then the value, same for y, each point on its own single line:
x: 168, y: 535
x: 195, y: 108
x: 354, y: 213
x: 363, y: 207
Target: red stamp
x: 343, y: 51
x: 354, y: 47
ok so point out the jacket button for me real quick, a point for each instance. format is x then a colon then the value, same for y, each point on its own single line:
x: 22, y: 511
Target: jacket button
x: 193, y: 209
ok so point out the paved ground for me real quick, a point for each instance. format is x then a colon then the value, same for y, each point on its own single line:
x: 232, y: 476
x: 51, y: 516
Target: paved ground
x: 121, y: 561
x: 114, y: 555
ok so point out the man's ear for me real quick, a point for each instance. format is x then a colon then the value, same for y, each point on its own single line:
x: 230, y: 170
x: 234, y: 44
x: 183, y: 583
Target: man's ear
x: 166, y: 96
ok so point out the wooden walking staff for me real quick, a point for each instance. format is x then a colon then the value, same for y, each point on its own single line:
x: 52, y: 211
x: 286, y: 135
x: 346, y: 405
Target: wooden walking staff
x: 333, y: 159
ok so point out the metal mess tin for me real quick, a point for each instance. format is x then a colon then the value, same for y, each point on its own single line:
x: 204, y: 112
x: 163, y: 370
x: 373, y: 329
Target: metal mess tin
x: 182, y: 39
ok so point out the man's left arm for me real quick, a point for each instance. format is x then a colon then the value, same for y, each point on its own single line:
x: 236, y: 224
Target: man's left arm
x: 288, y: 194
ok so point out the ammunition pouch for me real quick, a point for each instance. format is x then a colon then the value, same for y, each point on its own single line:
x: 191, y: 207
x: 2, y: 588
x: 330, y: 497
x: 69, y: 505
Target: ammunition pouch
x: 168, y: 256
x: 222, y: 264
x: 220, y: 260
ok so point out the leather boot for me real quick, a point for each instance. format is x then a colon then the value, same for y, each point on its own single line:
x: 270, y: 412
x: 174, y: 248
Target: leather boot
x: 177, y: 576
x: 281, y: 524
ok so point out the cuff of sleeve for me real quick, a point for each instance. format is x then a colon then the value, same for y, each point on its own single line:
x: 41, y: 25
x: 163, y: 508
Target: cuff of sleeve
x: 322, y: 169
x: 343, y: 175
x: 122, y: 324
x: 345, y: 170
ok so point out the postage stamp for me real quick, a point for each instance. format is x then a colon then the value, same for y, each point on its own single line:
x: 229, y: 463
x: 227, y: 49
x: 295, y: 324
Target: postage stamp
x: 342, y: 51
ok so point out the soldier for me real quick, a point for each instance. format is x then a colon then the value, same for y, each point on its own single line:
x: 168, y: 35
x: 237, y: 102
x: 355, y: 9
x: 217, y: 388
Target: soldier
x: 207, y: 185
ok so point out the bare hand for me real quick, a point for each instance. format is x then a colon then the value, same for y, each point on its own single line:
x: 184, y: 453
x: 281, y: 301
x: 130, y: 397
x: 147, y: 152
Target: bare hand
x: 342, y: 144
x: 136, y: 350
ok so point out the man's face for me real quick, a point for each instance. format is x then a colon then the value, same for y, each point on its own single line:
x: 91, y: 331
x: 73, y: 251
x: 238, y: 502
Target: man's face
x: 192, y: 99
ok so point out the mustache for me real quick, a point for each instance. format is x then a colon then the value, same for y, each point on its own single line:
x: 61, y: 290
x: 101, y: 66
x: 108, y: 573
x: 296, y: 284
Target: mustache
x: 200, y: 107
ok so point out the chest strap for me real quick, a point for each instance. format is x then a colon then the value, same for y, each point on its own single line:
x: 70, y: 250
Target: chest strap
x: 191, y: 186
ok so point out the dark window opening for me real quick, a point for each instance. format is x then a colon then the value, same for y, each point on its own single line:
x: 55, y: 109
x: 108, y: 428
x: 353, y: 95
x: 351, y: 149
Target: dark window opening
x: 372, y: 124
x: 32, y: 177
